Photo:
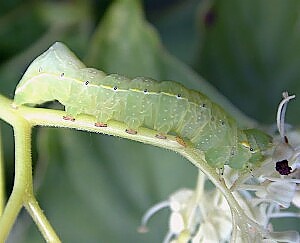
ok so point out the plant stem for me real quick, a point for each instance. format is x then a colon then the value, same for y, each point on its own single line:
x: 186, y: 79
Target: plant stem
x: 40, y: 219
x: 23, y: 177
x: 2, y: 178
x: 22, y: 193
x: 24, y: 118
x: 237, y: 212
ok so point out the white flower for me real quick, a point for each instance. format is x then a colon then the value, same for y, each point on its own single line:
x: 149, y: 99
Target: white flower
x: 296, y: 199
x: 281, y: 191
x: 204, y: 216
x: 199, y: 215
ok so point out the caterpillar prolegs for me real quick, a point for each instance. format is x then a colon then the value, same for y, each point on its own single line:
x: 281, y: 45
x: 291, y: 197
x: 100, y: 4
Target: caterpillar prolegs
x: 166, y: 107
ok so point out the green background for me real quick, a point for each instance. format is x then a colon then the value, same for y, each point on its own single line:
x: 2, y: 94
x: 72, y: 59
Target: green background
x: 95, y: 188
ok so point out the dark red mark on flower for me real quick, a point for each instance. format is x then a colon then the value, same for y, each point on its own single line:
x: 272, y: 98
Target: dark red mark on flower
x: 283, y: 167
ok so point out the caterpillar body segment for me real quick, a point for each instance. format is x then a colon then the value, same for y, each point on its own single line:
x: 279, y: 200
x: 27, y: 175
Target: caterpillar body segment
x: 141, y: 102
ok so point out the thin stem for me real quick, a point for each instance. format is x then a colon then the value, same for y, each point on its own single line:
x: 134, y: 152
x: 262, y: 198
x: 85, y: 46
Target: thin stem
x: 195, y: 157
x: 23, y: 178
x: 200, y: 185
x: 46, y: 117
x: 54, y: 118
x: 2, y: 178
x: 40, y: 219
x: 284, y: 215
x: 234, y: 234
x: 22, y: 132
x: 22, y: 193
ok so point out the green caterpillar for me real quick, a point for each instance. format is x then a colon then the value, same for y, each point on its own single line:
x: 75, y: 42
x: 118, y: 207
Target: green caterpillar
x: 166, y: 107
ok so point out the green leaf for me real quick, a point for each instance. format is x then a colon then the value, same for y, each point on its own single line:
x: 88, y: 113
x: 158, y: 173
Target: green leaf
x: 95, y: 188
x: 110, y: 182
x: 251, y: 52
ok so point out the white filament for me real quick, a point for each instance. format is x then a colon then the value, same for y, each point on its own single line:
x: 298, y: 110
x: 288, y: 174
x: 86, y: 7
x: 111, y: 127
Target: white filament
x: 281, y: 112
x: 150, y: 213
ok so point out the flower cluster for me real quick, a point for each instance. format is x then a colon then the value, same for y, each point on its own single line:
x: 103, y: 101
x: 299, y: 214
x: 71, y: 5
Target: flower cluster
x: 198, y: 215
x: 204, y: 215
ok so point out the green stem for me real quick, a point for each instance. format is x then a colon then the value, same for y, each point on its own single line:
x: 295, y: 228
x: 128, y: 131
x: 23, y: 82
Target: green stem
x: 40, y: 219
x: 23, y: 180
x: 22, y: 193
x: 45, y: 117
x: 200, y: 185
x: 23, y: 119
x: 2, y: 178
x: 196, y: 158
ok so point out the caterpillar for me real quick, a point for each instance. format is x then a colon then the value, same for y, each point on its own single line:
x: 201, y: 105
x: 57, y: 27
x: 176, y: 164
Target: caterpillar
x: 166, y: 107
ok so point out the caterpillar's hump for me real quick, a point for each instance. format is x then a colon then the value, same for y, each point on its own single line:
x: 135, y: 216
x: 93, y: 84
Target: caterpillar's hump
x: 58, y: 60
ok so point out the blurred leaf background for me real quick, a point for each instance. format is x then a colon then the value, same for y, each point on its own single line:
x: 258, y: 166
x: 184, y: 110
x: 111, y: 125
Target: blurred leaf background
x: 95, y: 188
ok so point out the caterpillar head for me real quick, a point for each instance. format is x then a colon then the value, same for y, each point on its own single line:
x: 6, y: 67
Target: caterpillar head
x: 258, y: 142
x: 282, y: 157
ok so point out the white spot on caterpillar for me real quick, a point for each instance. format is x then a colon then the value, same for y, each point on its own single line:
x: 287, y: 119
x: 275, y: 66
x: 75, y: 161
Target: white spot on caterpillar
x: 14, y: 106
